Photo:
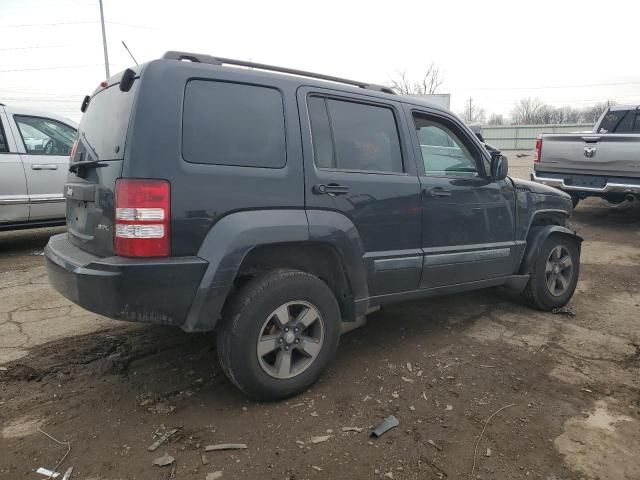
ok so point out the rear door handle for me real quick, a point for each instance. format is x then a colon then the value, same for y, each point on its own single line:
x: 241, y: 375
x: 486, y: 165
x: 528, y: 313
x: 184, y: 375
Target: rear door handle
x: 44, y: 166
x: 437, y: 192
x: 330, y: 189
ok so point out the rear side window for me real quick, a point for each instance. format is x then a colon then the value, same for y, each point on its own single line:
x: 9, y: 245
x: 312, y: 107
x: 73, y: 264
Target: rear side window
x: 233, y: 124
x: 354, y: 136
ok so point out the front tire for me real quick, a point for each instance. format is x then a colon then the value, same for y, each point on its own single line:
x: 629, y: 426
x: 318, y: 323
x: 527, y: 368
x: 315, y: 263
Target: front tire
x: 555, y: 273
x: 278, y: 334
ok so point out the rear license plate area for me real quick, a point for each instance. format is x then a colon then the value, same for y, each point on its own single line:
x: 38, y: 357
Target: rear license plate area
x: 586, y: 181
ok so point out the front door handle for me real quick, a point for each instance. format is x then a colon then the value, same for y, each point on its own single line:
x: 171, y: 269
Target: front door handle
x: 44, y: 166
x: 330, y: 189
x: 437, y: 192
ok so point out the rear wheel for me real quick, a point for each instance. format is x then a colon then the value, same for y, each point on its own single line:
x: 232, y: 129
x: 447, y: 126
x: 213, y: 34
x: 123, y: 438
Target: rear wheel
x: 555, y: 273
x: 278, y: 334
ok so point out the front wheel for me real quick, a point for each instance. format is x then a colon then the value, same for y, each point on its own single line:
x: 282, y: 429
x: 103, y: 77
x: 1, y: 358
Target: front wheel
x: 278, y: 334
x: 555, y: 273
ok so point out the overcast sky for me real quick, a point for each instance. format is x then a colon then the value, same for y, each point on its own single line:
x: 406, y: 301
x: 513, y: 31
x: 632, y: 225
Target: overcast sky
x: 564, y: 52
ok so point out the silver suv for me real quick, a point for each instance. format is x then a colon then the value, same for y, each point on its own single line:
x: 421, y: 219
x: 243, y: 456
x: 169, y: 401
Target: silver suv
x: 34, y: 162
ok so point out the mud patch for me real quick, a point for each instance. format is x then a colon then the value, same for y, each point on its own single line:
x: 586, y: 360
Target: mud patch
x: 603, y: 444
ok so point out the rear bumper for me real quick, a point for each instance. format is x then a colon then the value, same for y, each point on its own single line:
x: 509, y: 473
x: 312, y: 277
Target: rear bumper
x: 610, y: 185
x: 157, y: 290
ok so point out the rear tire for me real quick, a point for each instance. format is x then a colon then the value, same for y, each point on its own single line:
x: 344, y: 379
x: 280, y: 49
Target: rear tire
x: 278, y: 334
x: 555, y: 273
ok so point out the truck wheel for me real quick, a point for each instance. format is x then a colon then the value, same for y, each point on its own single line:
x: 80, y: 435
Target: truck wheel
x: 278, y: 333
x: 555, y: 273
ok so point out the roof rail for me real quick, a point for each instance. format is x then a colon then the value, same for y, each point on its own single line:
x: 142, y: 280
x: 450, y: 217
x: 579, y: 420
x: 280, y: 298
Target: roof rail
x: 199, y: 58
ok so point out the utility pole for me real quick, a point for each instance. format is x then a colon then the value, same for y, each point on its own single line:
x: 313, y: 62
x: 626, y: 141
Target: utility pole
x: 104, y: 41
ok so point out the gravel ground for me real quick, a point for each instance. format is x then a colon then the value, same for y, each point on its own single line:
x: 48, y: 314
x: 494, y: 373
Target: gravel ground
x: 566, y: 389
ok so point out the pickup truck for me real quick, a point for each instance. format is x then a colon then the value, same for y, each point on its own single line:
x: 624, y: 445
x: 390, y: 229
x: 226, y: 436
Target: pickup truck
x: 602, y: 163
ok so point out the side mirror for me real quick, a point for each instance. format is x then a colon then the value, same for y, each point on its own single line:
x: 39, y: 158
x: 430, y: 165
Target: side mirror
x: 499, y: 166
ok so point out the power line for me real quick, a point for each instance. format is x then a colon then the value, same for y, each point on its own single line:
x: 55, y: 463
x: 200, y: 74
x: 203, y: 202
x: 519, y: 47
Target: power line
x: 585, y: 85
x: 34, y: 47
x: 50, y: 68
x: 55, y: 24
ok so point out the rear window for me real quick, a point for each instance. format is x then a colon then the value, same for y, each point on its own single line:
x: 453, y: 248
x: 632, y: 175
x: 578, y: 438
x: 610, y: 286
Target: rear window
x: 104, y: 124
x: 618, y: 121
x: 233, y: 124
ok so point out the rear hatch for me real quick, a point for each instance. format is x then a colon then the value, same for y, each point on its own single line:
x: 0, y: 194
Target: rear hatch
x: 90, y: 187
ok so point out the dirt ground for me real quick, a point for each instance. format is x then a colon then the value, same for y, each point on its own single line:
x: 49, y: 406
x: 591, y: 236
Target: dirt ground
x: 570, y: 385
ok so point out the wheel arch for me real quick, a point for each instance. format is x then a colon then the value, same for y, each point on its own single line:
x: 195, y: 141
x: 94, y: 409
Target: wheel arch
x: 291, y: 236
x: 536, y: 237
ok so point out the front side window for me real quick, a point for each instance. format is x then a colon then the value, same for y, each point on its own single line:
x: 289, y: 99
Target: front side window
x: 233, y: 124
x: 44, y: 136
x: 443, y: 153
x: 354, y: 136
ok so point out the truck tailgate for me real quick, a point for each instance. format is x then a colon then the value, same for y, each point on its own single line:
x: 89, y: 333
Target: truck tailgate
x: 609, y: 154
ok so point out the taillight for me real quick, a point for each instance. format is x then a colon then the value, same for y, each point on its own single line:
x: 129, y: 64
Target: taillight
x: 73, y: 149
x: 142, y: 218
x: 537, y: 155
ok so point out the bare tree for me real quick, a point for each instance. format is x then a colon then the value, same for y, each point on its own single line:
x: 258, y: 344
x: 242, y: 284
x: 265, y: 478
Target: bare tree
x: 496, y: 119
x: 473, y: 113
x: 592, y: 114
x: 427, y: 85
x: 527, y: 111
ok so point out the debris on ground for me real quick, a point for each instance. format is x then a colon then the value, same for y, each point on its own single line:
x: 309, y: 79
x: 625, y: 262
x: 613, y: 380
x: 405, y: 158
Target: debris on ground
x: 214, y: 475
x: 163, y: 438
x: 408, y: 380
x: 205, y: 460
x: 395, y: 395
x: 162, y: 408
x: 448, y: 408
x: 388, y: 475
x: 351, y: 429
x: 48, y: 473
x: 434, y: 445
x: 568, y: 311
x: 320, y: 439
x: 409, y: 367
x: 225, y: 446
x: 486, y: 422
x: 67, y: 474
x: 387, y: 424
x: 318, y: 469
x: 488, y: 453
x: 164, y: 460
x: 67, y: 444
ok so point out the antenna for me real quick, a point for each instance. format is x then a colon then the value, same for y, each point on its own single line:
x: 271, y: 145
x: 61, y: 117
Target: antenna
x: 129, y: 52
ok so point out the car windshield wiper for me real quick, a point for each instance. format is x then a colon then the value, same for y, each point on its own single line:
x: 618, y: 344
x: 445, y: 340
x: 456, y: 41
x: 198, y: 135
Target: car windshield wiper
x: 74, y: 167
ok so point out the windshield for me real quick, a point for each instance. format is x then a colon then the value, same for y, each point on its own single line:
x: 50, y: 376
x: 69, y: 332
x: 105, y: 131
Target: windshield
x: 104, y: 125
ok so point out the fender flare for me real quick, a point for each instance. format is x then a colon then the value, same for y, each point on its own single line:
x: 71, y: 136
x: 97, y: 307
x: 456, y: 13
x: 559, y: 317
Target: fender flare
x: 234, y: 236
x: 536, y: 238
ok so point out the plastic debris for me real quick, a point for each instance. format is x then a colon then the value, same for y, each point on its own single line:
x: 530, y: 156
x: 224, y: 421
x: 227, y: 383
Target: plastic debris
x: 387, y: 424
x: 318, y: 469
x: 320, y: 439
x: 351, y: 429
x: 225, y: 446
x: 164, y: 460
x: 67, y: 474
x: 163, y: 438
x: 47, y: 472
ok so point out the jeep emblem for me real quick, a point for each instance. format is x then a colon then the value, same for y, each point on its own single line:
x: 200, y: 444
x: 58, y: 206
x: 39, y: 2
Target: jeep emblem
x: 589, y: 152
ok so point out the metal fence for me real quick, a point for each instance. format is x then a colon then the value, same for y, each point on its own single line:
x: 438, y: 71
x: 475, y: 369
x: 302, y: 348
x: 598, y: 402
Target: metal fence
x: 523, y: 137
